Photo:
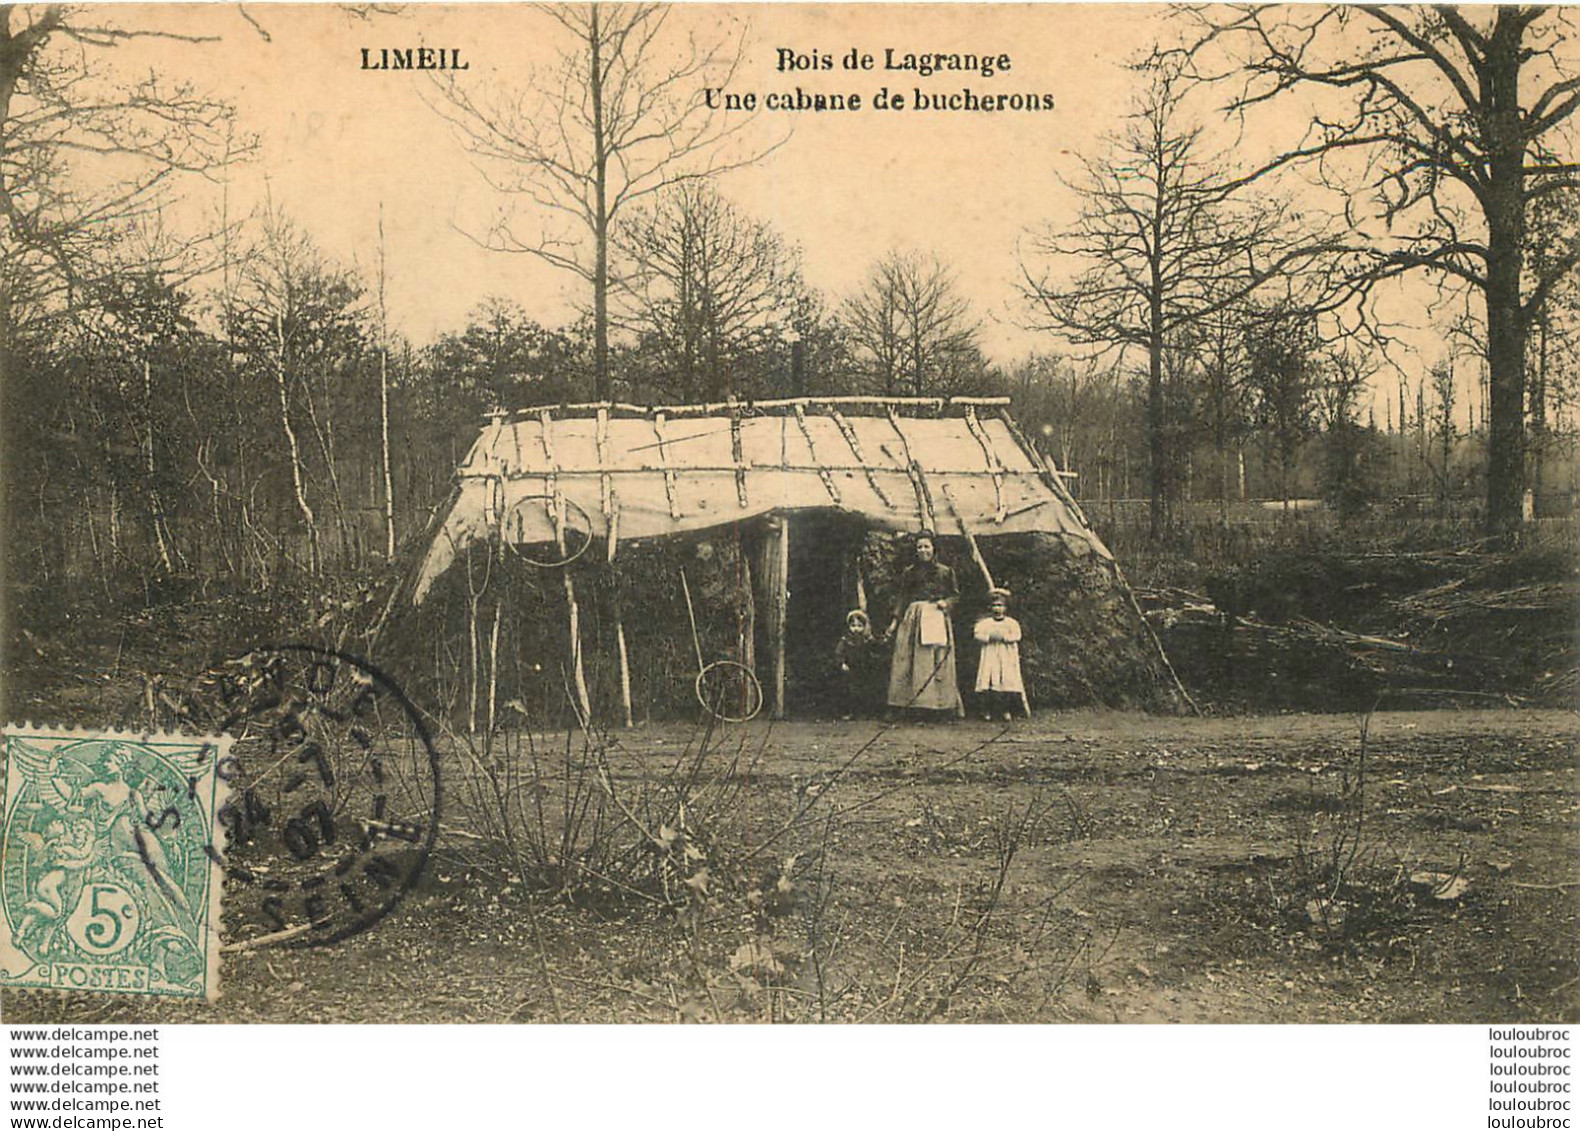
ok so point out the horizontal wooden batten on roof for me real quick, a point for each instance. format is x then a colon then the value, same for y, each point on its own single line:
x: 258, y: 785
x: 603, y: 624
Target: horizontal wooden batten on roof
x: 756, y: 469
x: 786, y: 405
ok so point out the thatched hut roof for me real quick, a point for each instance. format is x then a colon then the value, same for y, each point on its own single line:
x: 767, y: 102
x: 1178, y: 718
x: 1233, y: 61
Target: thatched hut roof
x: 635, y: 472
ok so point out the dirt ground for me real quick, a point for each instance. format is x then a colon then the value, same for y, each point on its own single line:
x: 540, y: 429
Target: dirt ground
x: 1068, y: 868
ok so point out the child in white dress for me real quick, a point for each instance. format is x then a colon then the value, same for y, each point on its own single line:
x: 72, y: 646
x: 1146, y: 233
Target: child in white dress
x: 1000, y: 689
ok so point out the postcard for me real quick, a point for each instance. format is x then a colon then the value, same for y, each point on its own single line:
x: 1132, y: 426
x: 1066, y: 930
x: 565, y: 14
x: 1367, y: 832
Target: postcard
x: 813, y: 513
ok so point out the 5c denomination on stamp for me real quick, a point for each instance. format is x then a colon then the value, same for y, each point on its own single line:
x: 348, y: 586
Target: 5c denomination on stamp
x: 110, y: 877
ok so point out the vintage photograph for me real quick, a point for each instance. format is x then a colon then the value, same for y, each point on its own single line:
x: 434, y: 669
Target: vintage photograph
x: 831, y: 513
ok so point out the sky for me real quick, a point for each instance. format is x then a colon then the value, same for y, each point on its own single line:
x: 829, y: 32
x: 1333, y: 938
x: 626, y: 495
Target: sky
x: 338, y: 143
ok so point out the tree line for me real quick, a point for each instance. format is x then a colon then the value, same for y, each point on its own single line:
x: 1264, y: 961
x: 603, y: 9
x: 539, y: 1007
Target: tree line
x: 233, y: 406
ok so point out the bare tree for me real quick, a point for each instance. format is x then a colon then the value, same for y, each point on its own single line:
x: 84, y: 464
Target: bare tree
x: 1163, y: 242
x: 64, y: 113
x: 302, y: 326
x: 623, y: 115
x: 909, y: 325
x: 1344, y: 378
x: 706, y: 284
x: 1458, y: 118
x: 1083, y: 414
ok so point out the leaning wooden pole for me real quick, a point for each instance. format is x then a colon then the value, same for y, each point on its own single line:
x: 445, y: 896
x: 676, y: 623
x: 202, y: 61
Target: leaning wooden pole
x: 691, y: 617
x: 583, y: 701
x: 625, y: 668
x: 1055, y: 483
x: 749, y: 625
x: 619, y: 620
x: 493, y: 679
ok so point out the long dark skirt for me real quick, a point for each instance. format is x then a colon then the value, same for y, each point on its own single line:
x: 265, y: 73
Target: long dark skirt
x: 923, y: 675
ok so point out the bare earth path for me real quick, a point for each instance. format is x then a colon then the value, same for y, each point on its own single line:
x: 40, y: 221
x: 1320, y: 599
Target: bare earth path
x: 1179, y: 870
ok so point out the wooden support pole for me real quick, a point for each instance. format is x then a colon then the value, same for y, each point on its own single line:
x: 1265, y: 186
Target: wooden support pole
x: 625, y: 667
x: 577, y: 673
x: 691, y: 615
x: 472, y: 647
x: 576, y: 474
x: 782, y: 600
x: 551, y: 483
x: 930, y: 404
x: 384, y: 447
x: 749, y: 629
x: 493, y: 678
x: 619, y: 620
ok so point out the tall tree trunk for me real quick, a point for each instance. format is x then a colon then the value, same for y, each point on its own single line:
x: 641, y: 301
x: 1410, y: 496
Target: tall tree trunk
x: 1538, y: 438
x: 1506, y: 325
x: 384, y: 455
x: 1155, y: 454
x: 1156, y: 483
x: 155, y: 502
x: 601, y: 381
x: 384, y: 407
x: 297, y: 486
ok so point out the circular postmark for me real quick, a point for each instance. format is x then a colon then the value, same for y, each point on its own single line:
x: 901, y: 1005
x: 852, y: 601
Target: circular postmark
x: 334, y: 792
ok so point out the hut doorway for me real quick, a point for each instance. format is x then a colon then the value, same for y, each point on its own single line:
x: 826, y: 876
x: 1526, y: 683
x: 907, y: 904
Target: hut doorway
x: 824, y: 549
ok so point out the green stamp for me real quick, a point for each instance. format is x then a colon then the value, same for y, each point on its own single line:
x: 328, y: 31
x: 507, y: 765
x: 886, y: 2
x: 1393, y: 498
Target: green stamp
x: 111, y: 862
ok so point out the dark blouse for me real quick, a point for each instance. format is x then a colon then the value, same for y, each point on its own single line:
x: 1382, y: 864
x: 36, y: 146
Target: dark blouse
x: 932, y: 581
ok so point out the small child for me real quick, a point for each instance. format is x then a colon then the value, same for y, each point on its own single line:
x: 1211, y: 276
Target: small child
x: 853, y: 657
x: 1000, y: 688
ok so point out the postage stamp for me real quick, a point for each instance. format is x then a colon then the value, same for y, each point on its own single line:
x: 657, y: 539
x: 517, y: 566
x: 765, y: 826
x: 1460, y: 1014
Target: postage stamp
x: 110, y: 861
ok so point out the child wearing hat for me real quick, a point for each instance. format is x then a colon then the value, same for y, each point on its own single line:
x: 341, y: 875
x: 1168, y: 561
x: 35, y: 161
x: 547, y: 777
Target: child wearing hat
x: 853, y: 657
x: 1000, y: 689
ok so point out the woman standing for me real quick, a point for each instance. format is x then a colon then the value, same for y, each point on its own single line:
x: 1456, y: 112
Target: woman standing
x: 922, y: 673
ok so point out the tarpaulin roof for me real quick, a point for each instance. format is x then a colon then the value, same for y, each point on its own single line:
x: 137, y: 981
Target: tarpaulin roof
x: 650, y: 473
